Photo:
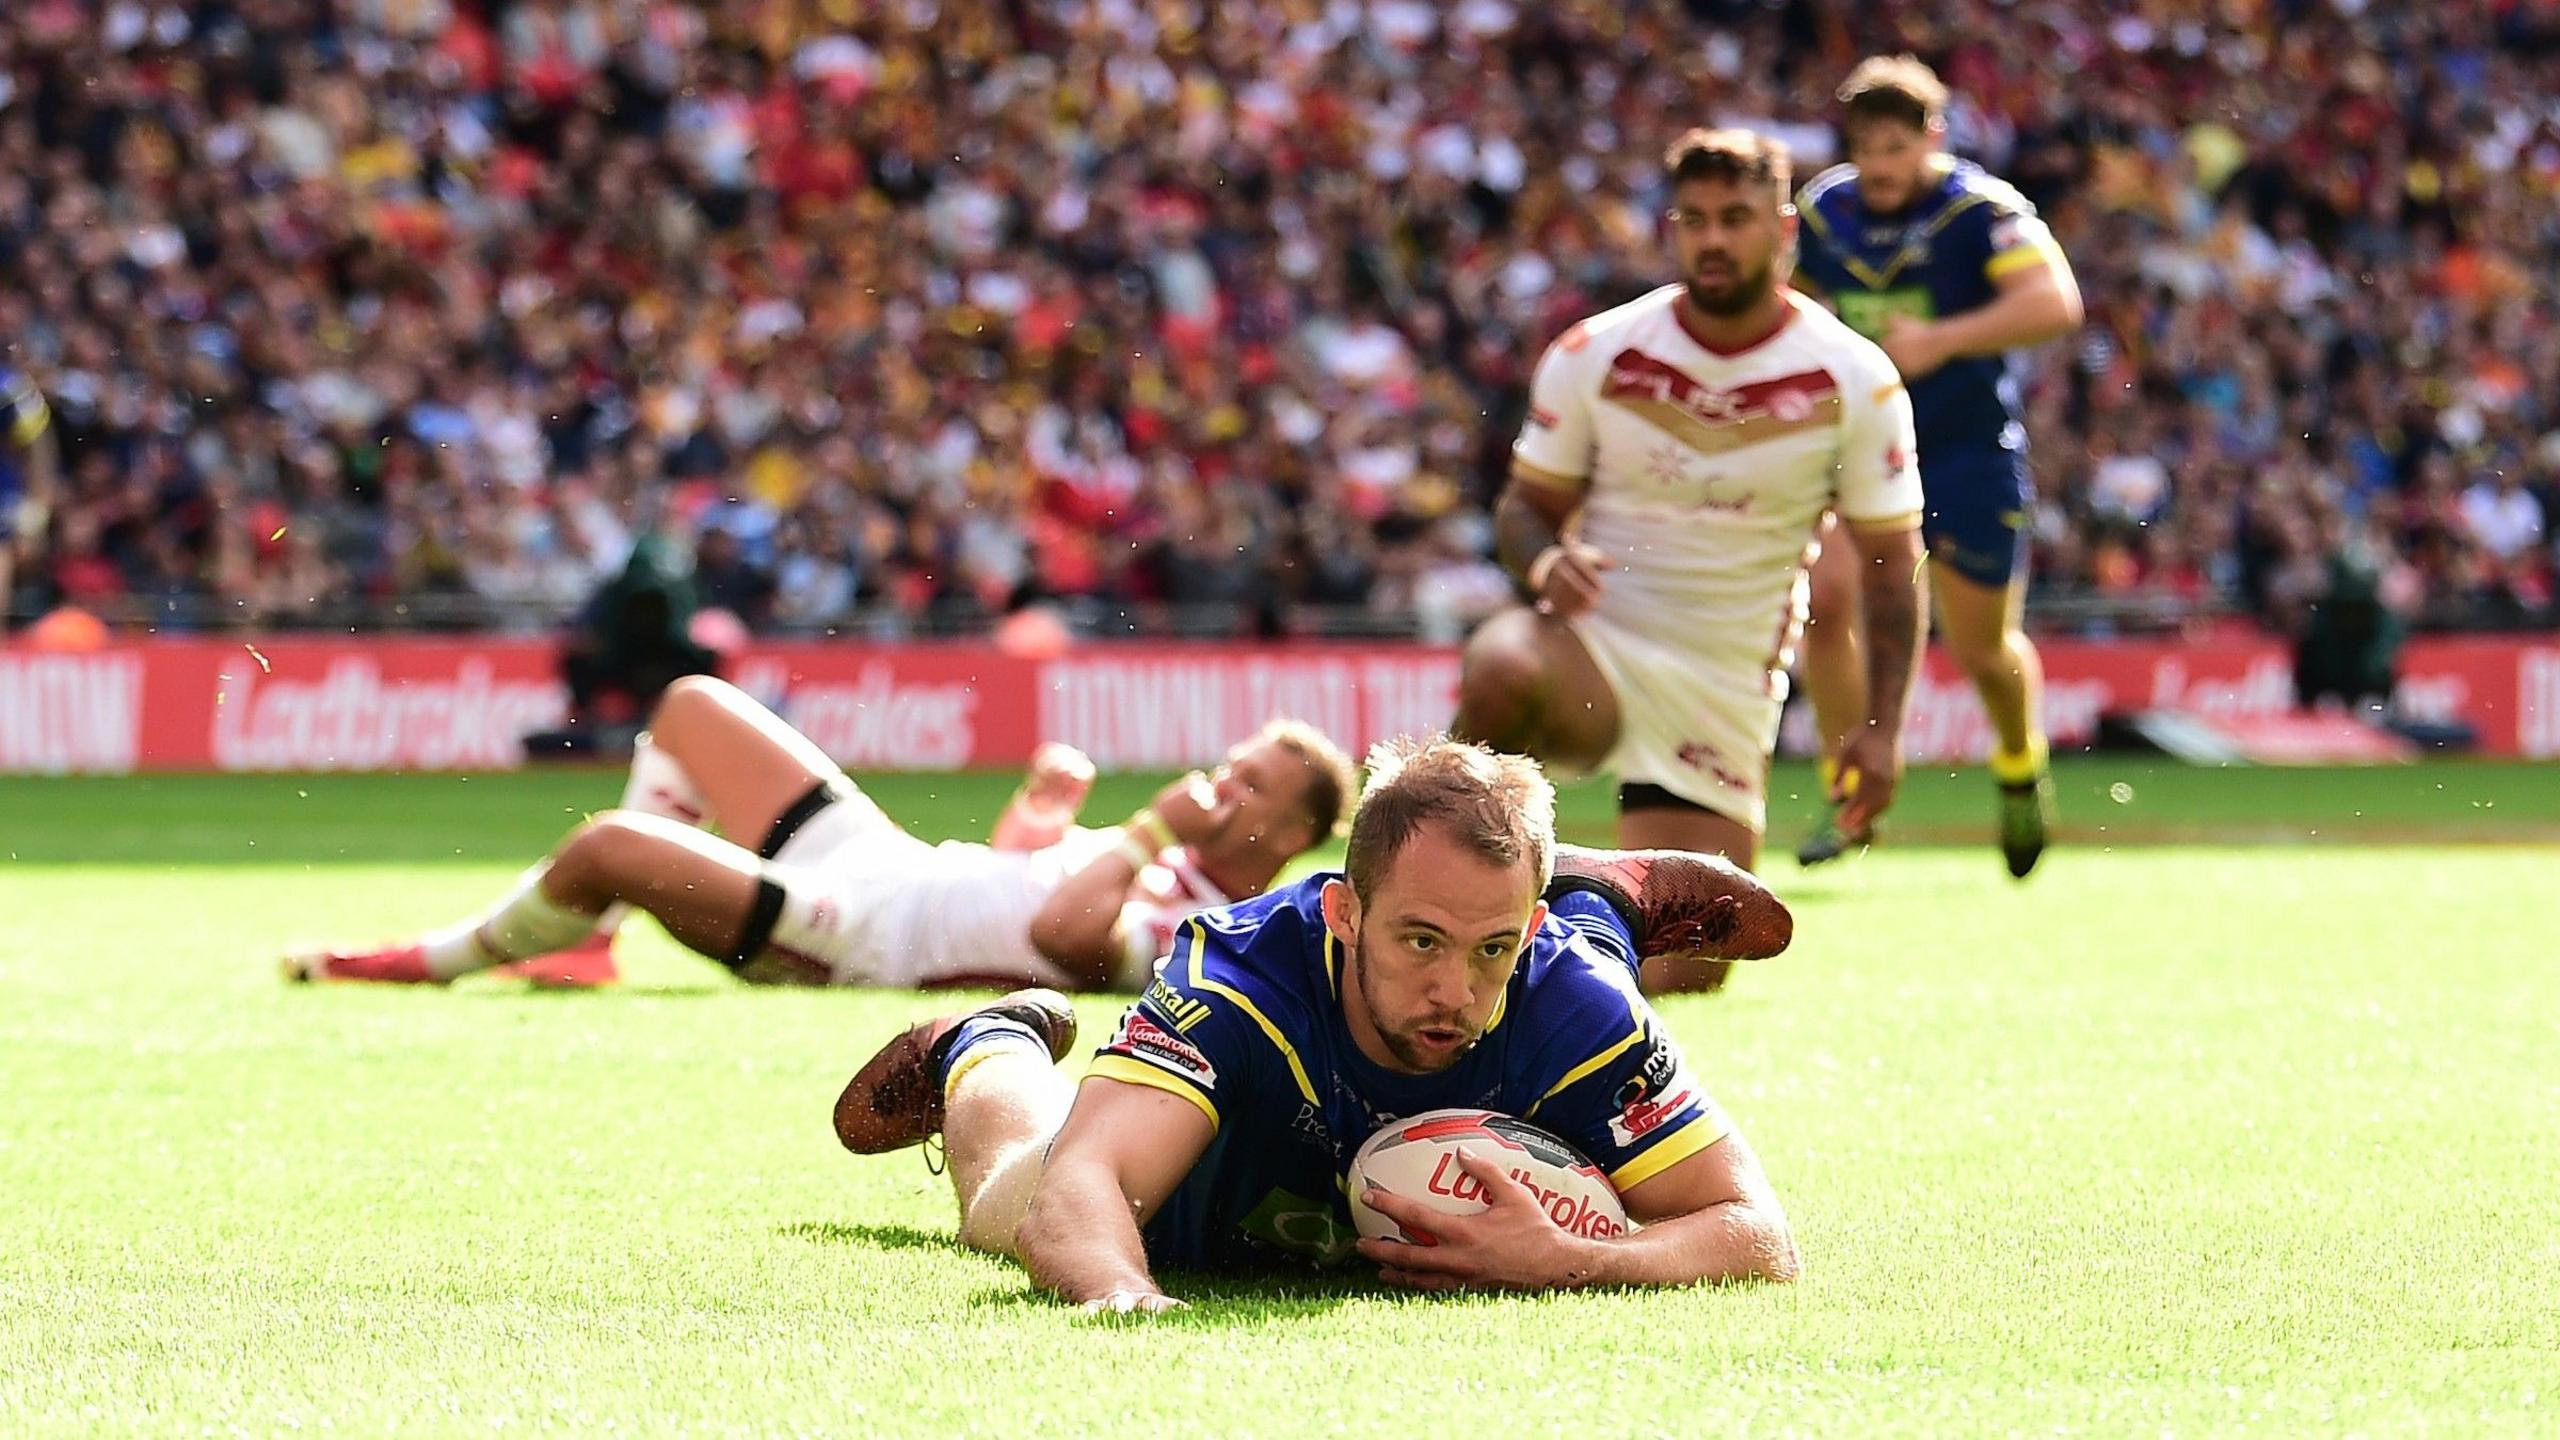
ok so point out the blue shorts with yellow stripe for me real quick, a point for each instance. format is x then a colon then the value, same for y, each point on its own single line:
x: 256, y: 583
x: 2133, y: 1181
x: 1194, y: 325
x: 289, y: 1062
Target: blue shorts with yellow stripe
x: 1975, y: 520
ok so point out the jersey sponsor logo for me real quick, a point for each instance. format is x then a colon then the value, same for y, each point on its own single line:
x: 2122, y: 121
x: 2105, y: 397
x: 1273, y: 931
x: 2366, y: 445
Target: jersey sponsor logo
x: 1653, y: 1074
x: 1871, y: 312
x: 1143, y: 1039
x: 1572, y: 1214
x: 1714, y: 421
x: 1308, y: 1125
x: 1286, y: 1220
x: 1183, y: 1010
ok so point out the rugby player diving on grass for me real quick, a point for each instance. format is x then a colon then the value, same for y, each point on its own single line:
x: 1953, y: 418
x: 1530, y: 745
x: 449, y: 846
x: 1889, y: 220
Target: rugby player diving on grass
x: 1461, y: 959
x: 815, y: 885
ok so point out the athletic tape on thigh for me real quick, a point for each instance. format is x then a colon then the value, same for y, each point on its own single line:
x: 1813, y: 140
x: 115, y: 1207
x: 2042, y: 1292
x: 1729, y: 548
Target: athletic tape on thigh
x: 801, y: 812
x: 758, y: 931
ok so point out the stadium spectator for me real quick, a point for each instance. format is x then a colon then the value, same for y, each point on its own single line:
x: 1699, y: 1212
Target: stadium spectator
x: 1040, y: 298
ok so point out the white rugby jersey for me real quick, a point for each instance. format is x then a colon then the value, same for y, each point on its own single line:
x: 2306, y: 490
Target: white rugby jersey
x: 963, y: 910
x: 1704, y: 472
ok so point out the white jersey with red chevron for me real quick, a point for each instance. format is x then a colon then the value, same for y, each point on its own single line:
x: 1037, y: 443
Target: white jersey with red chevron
x: 1704, y: 471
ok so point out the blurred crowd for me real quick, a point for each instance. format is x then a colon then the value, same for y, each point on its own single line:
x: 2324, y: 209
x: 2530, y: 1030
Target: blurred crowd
x: 1211, y: 314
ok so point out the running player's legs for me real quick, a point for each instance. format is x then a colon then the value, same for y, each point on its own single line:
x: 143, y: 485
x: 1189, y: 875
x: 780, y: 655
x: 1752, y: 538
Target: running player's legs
x: 1976, y: 533
x: 1527, y: 685
x: 1833, y: 665
x: 1977, y: 549
x: 751, y: 767
x: 1983, y: 629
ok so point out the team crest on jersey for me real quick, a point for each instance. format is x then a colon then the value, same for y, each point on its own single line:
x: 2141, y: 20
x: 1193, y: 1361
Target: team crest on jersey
x: 1642, y: 1118
x: 1141, y: 1038
x: 1655, y: 1094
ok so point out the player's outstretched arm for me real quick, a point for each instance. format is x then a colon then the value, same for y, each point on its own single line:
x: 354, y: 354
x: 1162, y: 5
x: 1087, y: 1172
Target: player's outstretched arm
x: 1895, y: 616
x: 1053, y: 790
x: 1712, y: 1216
x: 1123, y: 1149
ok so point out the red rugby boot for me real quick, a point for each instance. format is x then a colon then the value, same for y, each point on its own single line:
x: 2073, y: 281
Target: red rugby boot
x: 391, y: 965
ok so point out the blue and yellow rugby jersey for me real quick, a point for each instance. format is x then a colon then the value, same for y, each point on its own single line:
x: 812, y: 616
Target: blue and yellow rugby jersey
x: 1245, y: 1021
x: 1943, y: 254
x: 23, y: 417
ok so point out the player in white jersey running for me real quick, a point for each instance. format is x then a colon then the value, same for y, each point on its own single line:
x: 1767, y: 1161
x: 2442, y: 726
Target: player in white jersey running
x: 1679, y: 452
x: 836, y: 892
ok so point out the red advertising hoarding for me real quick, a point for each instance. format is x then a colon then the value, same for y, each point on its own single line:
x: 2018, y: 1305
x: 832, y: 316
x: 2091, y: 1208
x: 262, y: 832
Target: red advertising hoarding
x: 464, y: 704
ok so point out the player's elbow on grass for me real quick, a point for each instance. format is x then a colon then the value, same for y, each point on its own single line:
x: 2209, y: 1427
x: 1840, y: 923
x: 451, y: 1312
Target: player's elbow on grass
x: 1774, y: 1248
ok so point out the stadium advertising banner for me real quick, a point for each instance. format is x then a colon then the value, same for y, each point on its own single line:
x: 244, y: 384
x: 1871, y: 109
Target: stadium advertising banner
x: 464, y: 704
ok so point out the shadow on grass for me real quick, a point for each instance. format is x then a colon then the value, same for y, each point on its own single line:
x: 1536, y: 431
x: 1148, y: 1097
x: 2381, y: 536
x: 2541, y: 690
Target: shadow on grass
x: 1217, y: 1301
x: 504, y: 988
x: 875, y: 1237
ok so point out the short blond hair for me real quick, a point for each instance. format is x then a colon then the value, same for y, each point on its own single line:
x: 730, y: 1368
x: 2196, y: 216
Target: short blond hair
x: 1331, y: 781
x: 1501, y: 807
x: 1898, y: 88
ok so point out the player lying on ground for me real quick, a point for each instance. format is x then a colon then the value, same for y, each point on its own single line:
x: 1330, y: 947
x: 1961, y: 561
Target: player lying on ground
x: 1952, y: 273
x: 1460, y: 960
x: 834, y: 892
x: 1680, y: 451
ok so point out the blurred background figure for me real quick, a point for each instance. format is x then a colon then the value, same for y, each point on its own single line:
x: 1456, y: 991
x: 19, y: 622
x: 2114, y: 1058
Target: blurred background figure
x: 635, y: 637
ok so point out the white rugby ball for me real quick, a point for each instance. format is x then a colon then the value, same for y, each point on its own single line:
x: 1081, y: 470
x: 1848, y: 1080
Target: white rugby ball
x: 1416, y: 1158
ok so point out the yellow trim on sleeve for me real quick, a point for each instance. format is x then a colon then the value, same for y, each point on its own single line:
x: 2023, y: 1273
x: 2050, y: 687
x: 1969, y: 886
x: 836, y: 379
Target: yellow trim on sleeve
x: 34, y: 418
x: 1587, y: 1066
x: 1297, y: 1071
x: 2038, y: 251
x: 1885, y: 392
x: 1670, y: 1150
x: 1139, y: 1072
x: 1887, y: 524
x: 1552, y: 479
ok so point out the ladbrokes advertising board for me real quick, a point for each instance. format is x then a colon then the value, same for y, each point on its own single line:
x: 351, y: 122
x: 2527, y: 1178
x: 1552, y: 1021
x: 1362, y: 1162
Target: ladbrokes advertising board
x: 459, y: 704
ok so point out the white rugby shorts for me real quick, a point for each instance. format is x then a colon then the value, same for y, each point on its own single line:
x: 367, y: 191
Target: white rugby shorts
x: 1701, y: 733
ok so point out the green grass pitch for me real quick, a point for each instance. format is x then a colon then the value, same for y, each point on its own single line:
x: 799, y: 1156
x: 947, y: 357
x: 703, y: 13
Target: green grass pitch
x: 2186, y: 1138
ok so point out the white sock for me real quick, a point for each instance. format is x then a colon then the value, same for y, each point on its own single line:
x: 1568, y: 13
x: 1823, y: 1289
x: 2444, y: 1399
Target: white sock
x: 659, y: 786
x: 810, y: 922
x: 524, y: 924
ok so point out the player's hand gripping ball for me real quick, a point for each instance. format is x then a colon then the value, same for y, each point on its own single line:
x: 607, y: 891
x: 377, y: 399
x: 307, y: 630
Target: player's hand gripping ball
x: 1416, y: 1158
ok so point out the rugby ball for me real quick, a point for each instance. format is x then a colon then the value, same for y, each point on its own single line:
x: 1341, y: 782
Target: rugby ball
x: 1417, y: 1158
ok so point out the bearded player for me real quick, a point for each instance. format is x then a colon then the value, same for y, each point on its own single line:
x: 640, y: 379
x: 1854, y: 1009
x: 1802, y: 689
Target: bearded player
x: 835, y: 892
x: 1952, y: 273
x: 1459, y: 960
x: 1680, y: 452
